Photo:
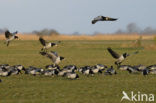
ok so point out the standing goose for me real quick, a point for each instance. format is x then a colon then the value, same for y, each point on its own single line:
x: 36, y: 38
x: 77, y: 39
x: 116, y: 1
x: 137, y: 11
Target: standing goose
x: 120, y: 58
x: 10, y: 36
x: 102, y: 18
x: 53, y: 56
x: 46, y: 44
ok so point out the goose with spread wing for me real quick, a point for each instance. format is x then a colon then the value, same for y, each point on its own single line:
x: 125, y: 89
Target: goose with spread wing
x: 46, y: 45
x: 53, y: 56
x: 10, y: 36
x: 120, y: 58
x: 103, y: 18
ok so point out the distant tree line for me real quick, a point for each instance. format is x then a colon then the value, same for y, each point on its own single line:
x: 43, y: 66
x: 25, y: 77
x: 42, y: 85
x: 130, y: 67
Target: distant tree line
x: 46, y: 32
x: 133, y: 28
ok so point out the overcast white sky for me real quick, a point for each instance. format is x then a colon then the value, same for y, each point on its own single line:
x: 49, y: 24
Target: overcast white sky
x: 68, y: 16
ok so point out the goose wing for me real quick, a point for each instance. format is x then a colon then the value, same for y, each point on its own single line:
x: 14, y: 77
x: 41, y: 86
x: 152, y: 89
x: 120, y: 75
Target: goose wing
x: 109, y: 19
x: 113, y: 53
x: 7, y: 34
x: 42, y: 41
x: 98, y: 18
x: 51, y: 55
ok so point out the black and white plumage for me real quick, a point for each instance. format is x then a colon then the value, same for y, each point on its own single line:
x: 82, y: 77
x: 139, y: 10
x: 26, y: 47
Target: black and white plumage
x: 33, y: 70
x: 102, y: 18
x: 71, y: 75
x: 46, y: 45
x: 53, y: 56
x: 120, y: 58
x: 10, y: 36
x: 86, y: 70
x: 110, y: 71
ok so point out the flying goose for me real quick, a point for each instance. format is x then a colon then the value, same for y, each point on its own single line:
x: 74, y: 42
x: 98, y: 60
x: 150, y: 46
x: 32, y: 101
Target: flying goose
x: 53, y: 56
x: 46, y: 44
x: 10, y: 36
x: 102, y: 18
x: 120, y: 58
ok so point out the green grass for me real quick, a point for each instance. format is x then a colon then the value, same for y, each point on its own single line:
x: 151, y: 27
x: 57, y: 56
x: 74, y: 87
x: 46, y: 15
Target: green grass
x: 98, y: 89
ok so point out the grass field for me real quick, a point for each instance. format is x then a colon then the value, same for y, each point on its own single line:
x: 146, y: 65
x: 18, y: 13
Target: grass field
x: 97, y: 89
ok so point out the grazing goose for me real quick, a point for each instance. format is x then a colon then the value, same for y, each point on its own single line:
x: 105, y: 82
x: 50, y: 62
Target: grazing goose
x: 67, y: 69
x: 96, y: 70
x: 110, y: 71
x: 101, y: 67
x: 140, y: 67
x: 4, y: 72
x: 33, y: 70
x: 52, y: 67
x: 10, y: 36
x: 14, y: 71
x: 120, y: 58
x: 70, y: 68
x: 0, y: 80
x: 123, y: 67
x: 86, y: 70
x: 20, y: 67
x: 133, y: 69
x: 50, y: 72
x: 71, y: 75
x: 53, y: 56
x: 102, y: 18
x: 46, y: 45
x: 149, y: 71
x: 152, y: 67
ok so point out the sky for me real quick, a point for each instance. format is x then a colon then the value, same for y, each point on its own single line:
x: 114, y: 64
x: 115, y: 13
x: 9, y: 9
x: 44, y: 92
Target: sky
x: 69, y: 16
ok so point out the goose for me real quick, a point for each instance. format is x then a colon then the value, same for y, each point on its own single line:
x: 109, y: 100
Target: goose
x: 67, y: 69
x: 123, y: 67
x: 50, y: 72
x: 96, y: 70
x: 103, y: 18
x: 46, y: 45
x: 62, y: 73
x: 53, y: 56
x: 101, y: 67
x: 20, y: 67
x: 4, y: 66
x: 86, y: 70
x: 71, y: 75
x: 0, y: 80
x: 70, y: 68
x: 52, y: 67
x: 4, y: 72
x: 152, y: 67
x: 120, y: 58
x: 10, y: 36
x: 14, y: 71
x: 140, y: 67
x: 33, y: 71
x: 133, y: 69
x: 110, y: 71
